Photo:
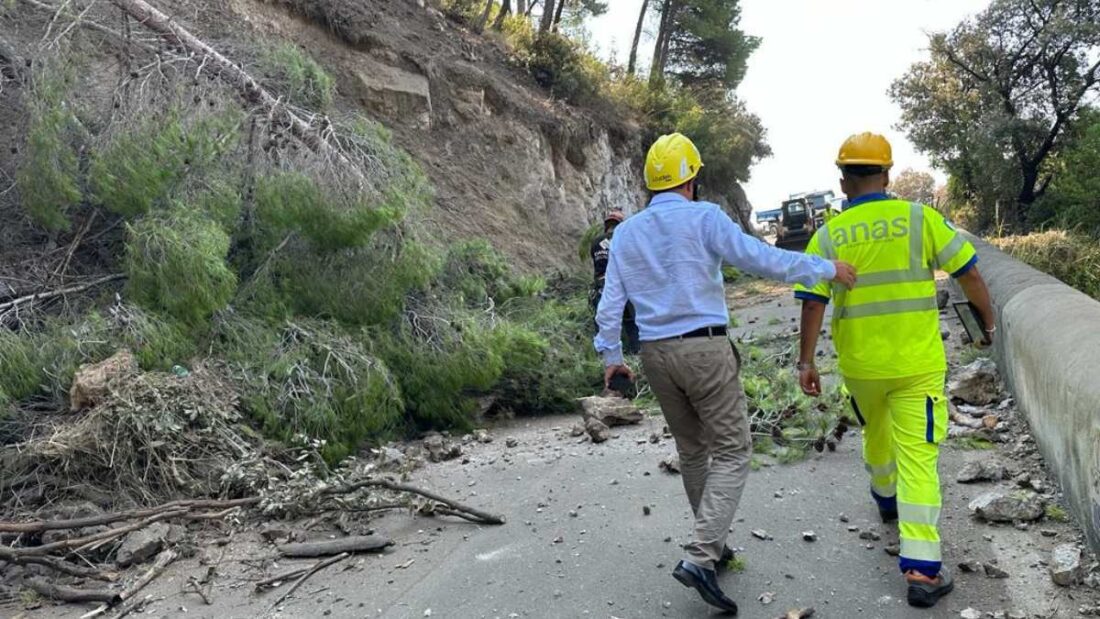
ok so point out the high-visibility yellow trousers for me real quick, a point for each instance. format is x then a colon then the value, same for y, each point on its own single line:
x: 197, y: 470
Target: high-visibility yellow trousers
x: 904, y: 420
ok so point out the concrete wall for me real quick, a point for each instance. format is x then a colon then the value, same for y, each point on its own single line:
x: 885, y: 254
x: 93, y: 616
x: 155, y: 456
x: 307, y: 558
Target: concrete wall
x: 1048, y: 350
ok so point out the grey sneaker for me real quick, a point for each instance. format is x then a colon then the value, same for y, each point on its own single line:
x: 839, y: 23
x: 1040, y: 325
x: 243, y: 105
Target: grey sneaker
x: 925, y: 595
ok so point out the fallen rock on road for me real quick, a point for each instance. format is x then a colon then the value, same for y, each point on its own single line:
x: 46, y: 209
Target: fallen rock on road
x: 611, y: 411
x: 976, y: 383
x: 1065, y: 565
x: 1000, y: 506
x: 982, y: 470
x: 597, y: 430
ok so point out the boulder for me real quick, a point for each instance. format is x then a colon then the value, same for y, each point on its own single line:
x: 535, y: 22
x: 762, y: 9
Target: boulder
x: 142, y: 545
x: 976, y: 383
x: 440, y: 449
x: 670, y: 465
x: 612, y: 411
x: 1065, y: 565
x: 597, y: 430
x: 999, y: 506
x: 394, y: 92
x: 982, y: 470
x: 90, y: 383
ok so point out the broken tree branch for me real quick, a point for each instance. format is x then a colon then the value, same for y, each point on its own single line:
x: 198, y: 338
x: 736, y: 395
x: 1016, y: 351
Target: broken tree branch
x: 165, y: 558
x: 355, y: 543
x: 59, y: 565
x: 320, y: 565
x: 457, y: 509
x: 77, y: 542
x: 36, y: 526
x: 247, y: 86
x: 49, y: 294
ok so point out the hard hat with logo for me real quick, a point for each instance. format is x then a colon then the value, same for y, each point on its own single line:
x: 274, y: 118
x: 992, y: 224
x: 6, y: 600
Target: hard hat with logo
x: 866, y: 149
x: 672, y: 161
x: 614, y: 216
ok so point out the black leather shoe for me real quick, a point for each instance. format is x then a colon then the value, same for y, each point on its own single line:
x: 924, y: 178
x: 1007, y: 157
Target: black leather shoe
x: 706, y: 583
x: 888, y: 515
x: 727, y: 556
x: 925, y: 595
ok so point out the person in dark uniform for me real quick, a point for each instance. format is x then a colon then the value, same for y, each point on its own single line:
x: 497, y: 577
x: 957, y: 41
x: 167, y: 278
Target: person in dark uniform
x: 601, y: 250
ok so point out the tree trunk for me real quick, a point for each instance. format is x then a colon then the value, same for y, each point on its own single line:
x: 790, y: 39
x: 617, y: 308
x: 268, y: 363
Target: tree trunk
x: 664, y: 35
x: 637, y: 37
x: 557, y: 14
x: 505, y: 10
x: 521, y: 7
x: 484, y: 19
x: 248, y: 88
x: 547, y: 15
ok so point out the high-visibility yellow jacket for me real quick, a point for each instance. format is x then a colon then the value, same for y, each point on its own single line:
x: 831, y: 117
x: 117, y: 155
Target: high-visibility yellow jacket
x: 888, y: 325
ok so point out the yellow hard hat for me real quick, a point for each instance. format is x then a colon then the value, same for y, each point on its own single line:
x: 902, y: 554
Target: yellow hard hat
x: 866, y: 149
x: 672, y: 161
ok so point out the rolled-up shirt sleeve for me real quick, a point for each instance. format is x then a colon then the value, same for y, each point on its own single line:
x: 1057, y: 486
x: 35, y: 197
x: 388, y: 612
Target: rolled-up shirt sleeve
x: 749, y: 253
x: 609, y: 315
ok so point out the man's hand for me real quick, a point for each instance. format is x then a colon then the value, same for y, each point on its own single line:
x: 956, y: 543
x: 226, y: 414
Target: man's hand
x: 845, y: 273
x: 809, y: 379
x: 612, y: 370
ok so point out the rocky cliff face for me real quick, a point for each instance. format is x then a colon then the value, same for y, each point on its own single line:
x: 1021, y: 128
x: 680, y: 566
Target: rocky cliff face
x: 509, y: 163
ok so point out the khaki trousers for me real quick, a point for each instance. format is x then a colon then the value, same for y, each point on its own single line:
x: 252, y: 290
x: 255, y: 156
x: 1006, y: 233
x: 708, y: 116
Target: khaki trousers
x: 696, y: 381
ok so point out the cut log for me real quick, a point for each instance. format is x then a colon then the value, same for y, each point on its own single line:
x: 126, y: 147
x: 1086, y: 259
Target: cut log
x: 357, y: 543
x: 70, y: 594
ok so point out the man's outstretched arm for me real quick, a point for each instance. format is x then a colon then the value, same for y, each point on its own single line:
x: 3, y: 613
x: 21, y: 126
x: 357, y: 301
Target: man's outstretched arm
x: 749, y: 253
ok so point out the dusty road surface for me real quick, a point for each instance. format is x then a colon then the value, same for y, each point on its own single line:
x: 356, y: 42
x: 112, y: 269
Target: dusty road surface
x: 594, y: 530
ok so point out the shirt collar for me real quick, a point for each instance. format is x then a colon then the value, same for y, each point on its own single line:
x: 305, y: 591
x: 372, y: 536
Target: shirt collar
x: 668, y: 197
x: 870, y: 197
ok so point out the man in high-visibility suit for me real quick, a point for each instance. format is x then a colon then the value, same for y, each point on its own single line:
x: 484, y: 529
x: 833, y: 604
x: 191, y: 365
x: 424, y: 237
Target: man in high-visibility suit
x: 887, y: 335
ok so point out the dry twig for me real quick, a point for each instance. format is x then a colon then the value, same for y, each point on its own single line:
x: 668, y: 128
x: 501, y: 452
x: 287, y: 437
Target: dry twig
x: 320, y: 565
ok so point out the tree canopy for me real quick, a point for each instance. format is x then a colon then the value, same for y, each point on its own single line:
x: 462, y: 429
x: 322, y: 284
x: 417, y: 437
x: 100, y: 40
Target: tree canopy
x: 994, y: 100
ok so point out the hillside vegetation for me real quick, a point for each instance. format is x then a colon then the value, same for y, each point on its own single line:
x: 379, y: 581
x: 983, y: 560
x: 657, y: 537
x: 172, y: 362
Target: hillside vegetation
x: 283, y: 244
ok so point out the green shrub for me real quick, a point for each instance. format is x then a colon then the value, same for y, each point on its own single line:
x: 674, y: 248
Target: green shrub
x: 157, y: 343
x: 362, y: 286
x: 300, y: 78
x: 396, y: 176
x: 176, y: 264
x: 1072, y: 258
x: 221, y: 202
x: 564, y: 67
x: 307, y: 379
x: 292, y: 201
x: 561, y: 365
x: 143, y: 168
x: 21, y: 373
x: 49, y: 175
x: 443, y: 375
x: 479, y: 273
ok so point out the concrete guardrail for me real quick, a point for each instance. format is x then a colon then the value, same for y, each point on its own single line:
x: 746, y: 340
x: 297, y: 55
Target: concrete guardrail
x: 1047, y: 346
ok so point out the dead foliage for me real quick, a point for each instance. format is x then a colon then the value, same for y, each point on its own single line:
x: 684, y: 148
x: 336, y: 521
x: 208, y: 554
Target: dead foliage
x: 154, y: 436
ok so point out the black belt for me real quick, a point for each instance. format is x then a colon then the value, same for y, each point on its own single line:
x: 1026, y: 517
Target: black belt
x: 704, y: 332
